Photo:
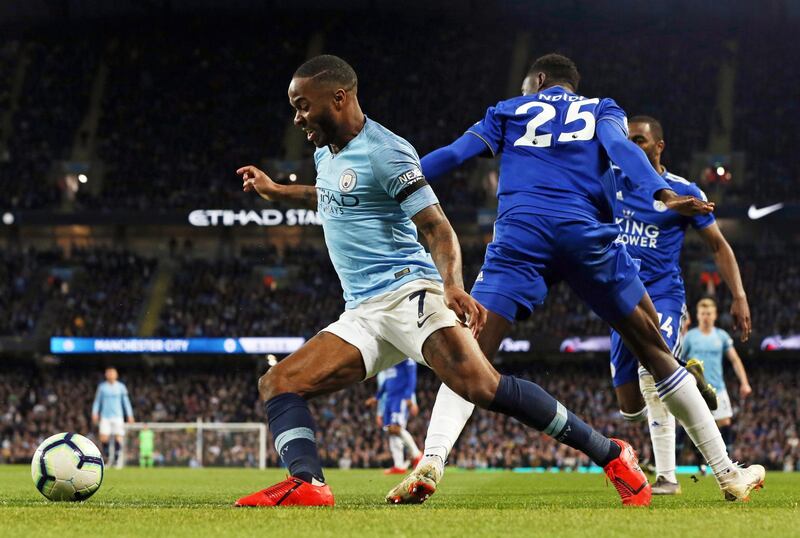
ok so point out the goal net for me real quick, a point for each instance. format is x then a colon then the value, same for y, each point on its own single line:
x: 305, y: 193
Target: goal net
x: 195, y: 444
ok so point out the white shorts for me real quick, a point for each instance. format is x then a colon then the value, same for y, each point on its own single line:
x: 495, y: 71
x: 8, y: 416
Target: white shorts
x: 112, y: 426
x: 724, y: 409
x: 392, y: 326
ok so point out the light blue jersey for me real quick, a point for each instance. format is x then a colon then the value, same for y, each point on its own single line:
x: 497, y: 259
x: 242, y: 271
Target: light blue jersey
x: 709, y: 349
x: 367, y: 194
x: 111, y: 401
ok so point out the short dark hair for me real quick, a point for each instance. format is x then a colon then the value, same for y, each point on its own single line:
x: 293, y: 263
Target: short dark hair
x: 328, y: 68
x: 558, y: 68
x: 655, y: 125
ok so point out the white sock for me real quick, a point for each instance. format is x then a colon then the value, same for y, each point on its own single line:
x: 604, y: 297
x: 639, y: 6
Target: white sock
x: 409, y: 443
x: 396, y: 449
x: 450, y: 413
x: 680, y: 394
x: 662, y: 427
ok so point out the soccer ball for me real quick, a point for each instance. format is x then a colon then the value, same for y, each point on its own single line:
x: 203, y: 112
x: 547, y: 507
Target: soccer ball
x: 67, y: 467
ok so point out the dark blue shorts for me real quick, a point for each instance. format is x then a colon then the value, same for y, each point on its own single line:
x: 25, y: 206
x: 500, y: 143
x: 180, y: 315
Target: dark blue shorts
x: 394, y: 411
x: 529, y: 253
x: 624, y: 365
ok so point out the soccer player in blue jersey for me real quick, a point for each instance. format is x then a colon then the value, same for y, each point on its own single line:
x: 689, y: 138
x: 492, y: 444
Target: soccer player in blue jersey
x: 111, y: 408
x: 654, y: 236
x: 708, y: 345
x: 396, y: 400
x: 556, y: 222
x: 401, y: 301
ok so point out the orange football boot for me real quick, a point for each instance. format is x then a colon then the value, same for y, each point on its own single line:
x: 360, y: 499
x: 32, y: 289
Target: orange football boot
x: 290, y: 492
x: 626, y: 475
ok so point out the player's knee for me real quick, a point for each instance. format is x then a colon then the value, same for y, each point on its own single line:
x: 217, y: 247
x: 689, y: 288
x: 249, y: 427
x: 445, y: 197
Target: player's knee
x: 273, y: 383
x: 394, y: 429
x: 479, y: 391
x: 634, y: 416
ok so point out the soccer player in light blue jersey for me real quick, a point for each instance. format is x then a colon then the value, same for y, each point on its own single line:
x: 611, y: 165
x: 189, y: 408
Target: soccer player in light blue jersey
x: 401, y: 301
x: 708, y: 345
x: 396, y: 400
x: 654, y: 236
x: 111, y: 408
x: 556, y: 198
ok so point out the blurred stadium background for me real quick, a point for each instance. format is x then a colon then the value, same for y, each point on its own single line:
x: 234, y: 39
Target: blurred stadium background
x: 125, y: 238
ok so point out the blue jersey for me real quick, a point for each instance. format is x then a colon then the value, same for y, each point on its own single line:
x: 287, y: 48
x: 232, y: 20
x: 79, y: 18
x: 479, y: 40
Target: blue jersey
x: 111, y: 401
x: 399, y: 381
x: 552, y: 163
x: 709, y: 349
x: 367, y: 194
x: 654, y: 235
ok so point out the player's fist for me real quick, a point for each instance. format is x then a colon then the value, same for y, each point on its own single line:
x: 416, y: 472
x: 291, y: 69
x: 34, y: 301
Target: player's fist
x: 467, y: 309
x: 371, y: 401
x: 95, y: 418
x: 688, y: 206
x: 413, y: 409
x: 130, y: 420
x: 745, y: 390
x: 254, y: 179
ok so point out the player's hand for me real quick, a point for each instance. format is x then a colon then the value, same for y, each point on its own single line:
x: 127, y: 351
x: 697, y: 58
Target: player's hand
x: 371, y: 401
x: 95, y: 418
x: 254, y: 179
x: 379, y: 421
x: 688, y: 206
x: 740, y: 311
x: 467, y: 309
x: 745, y: 390
x: 130, y: 420
x: 413, y: 409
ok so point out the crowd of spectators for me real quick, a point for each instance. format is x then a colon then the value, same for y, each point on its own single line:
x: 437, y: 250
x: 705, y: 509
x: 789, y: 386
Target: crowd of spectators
x: 174, y: 105
x: 37, y: 402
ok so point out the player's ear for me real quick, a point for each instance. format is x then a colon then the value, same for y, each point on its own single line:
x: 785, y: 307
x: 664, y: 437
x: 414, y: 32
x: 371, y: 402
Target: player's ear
x: 339, y: 98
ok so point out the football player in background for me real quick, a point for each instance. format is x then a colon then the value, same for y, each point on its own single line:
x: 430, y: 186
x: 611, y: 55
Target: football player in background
x: 396, y: 400
x: 111, y: 408
x: 654, y: 236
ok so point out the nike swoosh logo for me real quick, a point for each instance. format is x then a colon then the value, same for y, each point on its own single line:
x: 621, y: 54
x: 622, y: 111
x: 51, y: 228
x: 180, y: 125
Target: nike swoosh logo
x: 421, y: 323
x: 755, y: 213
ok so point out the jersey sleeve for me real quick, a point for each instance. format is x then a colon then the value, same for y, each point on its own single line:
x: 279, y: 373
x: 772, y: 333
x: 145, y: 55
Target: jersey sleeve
x: 727, y: 341
x: 96, y: 403
x: 700, y: 221
x: 126, y: 402
x: 490, y: 130
x: 609, y: 110
x: 398, y: 171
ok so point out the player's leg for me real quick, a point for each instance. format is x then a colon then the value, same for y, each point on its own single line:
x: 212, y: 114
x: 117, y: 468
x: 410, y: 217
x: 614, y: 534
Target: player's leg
x: 450, y: 411
x: 104, y: 435
x: 405, y: 436
x: 455, y: 356
x: 325, y: 364
x: 603, y: 274
x: 391, y: 412
x: 679, y: 392
x: 724, y: 417
x: 118, y: 446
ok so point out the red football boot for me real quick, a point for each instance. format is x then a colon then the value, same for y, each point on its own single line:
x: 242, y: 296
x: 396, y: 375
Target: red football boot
x: 394, y: 470
x: 290, y: 492
x: 627, y: 477
x: 416, y: 461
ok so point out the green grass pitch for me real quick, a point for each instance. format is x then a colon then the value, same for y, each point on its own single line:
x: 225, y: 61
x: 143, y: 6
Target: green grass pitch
x: 197, y: 502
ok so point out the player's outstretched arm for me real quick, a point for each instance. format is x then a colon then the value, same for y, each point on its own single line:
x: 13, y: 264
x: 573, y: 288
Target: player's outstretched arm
x: 729, y: 269
x: 633, y: 162
x: 741, y: 373
x: 443, y: 160
x: 446, y: 254
x: 254, y: 179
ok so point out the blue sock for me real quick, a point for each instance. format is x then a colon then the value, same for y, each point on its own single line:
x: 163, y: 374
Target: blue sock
x: 531, y: 405
x: 294, y: 432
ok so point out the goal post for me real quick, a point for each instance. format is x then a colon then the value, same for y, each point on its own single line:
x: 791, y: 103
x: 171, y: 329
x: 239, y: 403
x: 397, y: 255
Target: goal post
x: 196, y: 432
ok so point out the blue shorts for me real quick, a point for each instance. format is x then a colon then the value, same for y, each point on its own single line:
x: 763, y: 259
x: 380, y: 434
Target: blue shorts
x: 671, y: 315
x: 395, y: 411
x: 529, y: 253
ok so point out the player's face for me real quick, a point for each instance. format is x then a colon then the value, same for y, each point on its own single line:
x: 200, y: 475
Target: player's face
x: 315, y: 107
x: 111, y: 375
x: 641, y: 135
x: 706, y: 316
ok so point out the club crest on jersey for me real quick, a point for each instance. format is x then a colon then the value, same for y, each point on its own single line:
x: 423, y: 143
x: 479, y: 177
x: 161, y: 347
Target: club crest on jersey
x: 659, y: 206
x: 347, y: 181
x: 627, y: 213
